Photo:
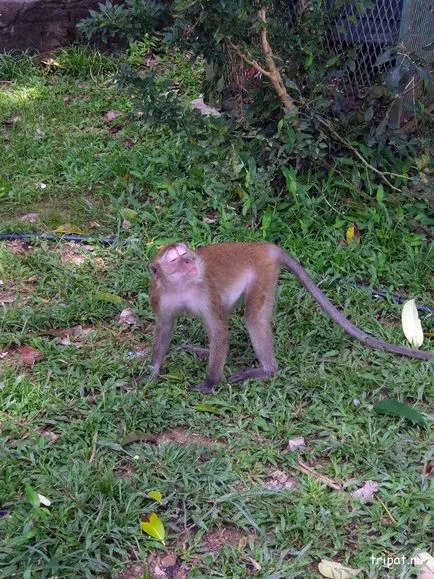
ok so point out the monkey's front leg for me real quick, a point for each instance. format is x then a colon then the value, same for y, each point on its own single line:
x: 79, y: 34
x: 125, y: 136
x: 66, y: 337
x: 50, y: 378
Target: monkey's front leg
x: 218, y: 348
x: 162, y: 336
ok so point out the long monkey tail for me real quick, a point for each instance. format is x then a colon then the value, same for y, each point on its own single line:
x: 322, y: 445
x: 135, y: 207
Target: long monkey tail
x: 290, y: 263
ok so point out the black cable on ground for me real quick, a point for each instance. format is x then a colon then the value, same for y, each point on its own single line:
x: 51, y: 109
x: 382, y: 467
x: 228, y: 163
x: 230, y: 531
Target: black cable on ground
x: 58, y: 237
x: 112, y: 240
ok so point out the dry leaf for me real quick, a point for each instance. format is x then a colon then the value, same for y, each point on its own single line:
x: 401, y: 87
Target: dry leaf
x: 336, y: 570
x: 30, y: 218
x: 112, y: 115
x: 295, y: 443
x: 279, y: 481
x: 11, y: 119
x: 6, y: 298
x: 28, y: 356
x: 429, y: 469
x: 126, y: 224
x: 366, y: 492
x: 128, y: 317
x: 68, y: 228
x: 411, y: 325
x: 204, y: 109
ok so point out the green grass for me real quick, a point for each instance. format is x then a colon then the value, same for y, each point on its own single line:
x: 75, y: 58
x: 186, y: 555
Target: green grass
x: 64, y: 420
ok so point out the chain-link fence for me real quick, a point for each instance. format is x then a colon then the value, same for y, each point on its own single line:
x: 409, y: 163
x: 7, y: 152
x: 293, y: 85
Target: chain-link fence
x: 406, y: 24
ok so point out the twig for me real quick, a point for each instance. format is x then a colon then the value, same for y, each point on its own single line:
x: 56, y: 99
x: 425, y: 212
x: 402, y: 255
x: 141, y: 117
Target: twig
x: 93, y: 454
x: 306, y: 469
x: 361, y: 157
x: 247, y: 58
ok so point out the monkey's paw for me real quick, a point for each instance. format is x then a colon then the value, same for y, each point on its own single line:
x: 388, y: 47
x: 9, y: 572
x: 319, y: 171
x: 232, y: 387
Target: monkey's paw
x: 203, y: 388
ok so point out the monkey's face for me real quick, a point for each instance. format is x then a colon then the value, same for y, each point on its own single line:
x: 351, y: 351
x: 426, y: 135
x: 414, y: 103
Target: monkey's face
x: 175, y: 264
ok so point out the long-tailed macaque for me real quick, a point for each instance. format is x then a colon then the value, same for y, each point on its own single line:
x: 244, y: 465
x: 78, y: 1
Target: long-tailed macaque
x: 210, y: 281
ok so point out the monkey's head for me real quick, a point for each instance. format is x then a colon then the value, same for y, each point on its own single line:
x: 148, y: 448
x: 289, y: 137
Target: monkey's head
x: 175, y: 264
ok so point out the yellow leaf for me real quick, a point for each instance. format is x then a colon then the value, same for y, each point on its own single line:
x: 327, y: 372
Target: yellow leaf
x: 411, y: 325
x: 156, y: 495
x: 336, y: 570
x: 68, y: 228
x: 153, y: 526
x: 353, y: 234
x: 108, y: 297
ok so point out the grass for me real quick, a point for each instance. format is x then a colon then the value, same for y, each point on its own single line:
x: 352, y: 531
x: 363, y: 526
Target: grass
x: 64, y: 420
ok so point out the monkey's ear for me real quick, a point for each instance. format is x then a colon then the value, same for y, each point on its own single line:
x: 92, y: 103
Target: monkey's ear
x: 152, y: 269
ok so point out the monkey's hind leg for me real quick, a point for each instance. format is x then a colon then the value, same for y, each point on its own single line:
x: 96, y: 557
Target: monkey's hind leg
x: 258, y: 312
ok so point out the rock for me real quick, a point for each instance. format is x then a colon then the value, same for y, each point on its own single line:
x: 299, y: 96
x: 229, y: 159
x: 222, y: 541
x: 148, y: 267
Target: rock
x: 42, y: 25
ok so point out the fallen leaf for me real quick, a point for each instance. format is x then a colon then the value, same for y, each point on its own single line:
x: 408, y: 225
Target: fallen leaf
x: 108, y: 297
x: 115, y: 129
x: 44, y: 501
x: 411, y: 325
x: 429, y: 469
x: 11, y: 119
x: 256, y: 566
x: 30, y: 218
x: 126, y: 224
x: 42, y: 185
x: 68, y: 228
x: 295, y: 443
x: 156, y: 495
x: 153, y: 526
x: 352, y: 234
x: 128, y: 214
x: 366, y: 492
x: 206, y: 408
x: 112, y: 115
x: 426, y: 561
x: 128, y: 317
x: 395, y: 408
x: 19, y: 247
x: 6, y: 297
x: 279, y: 481
x: 28, y: 356
x: 336, y: 570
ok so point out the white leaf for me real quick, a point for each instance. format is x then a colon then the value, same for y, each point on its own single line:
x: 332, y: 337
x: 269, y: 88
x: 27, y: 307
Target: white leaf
x: 411, y: 325
x: 295, y: 443
x: 336, y: 570
x: 367, y: 491
x: 44, y: 500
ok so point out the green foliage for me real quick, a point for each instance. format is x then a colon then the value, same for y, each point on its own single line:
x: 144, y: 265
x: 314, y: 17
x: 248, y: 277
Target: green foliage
x: 129, y: 21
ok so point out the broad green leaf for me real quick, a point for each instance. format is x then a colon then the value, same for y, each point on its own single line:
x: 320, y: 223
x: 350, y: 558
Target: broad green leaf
x: 206, y: 408
x: 153, y: 526
x: 336, y: 570
x: 32, y: 496
x: 68, y: 228
x: 156, y: 495
x: 129, y: 214
x: 411, y: 325
x: 396, y: 408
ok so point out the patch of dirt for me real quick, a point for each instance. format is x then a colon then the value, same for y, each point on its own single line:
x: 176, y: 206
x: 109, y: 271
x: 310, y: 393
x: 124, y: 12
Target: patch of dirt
x: 214, y: 541
x: 159, y: 565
